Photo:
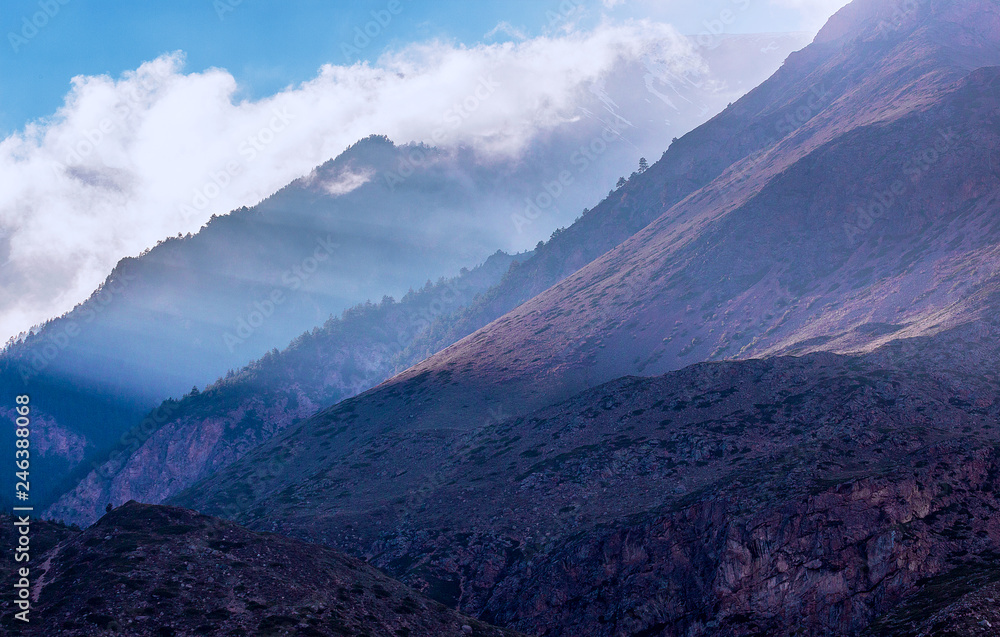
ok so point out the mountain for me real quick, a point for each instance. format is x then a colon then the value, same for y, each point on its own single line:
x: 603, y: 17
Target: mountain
x: 841, y: 213
x: 192, y: 308
x: 840, y: 233
x: 732, y: 498
x: 145, y: 571
x: 182, y: 441
x: 731, y: 62
x: 377, y: 220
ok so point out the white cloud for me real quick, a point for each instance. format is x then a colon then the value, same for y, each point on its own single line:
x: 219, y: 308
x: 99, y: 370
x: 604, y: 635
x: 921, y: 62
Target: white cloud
x: 813, y: 5
x: 773, y: 16
x: 347, y: 181
x: 156, y: 152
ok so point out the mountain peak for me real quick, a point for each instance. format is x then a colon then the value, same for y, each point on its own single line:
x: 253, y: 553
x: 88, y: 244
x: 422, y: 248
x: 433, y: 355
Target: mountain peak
x: 861, y: 15
x: 968, y: 22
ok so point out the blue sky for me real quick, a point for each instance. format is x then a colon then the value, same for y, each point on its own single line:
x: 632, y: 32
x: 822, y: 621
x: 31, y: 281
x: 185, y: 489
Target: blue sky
x: 267, y: 45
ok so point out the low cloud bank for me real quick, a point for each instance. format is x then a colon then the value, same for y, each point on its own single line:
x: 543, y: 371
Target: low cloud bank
x: 129, y: 161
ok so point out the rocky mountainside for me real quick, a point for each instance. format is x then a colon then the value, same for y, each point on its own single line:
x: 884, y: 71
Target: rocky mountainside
x: 869, y: 220
x: 150, y: 473
x: 734, y: 498
x: 960, y: 604
x: 375, y: 221
x: 846, y: 207
x: 145, y: 571
x: 185, y: 440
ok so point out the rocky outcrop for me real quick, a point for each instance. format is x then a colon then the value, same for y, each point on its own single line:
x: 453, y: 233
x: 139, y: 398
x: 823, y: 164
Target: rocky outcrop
x: 828, y: 564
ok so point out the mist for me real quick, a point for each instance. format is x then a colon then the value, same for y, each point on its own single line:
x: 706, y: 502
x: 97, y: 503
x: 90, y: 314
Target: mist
x: 127, y: 162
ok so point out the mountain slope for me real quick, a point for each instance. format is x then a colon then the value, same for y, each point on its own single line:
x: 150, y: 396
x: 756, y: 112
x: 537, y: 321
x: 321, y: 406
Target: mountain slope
x: 144, y: 571
x: 191, y: 308
x: 183, y: 441
x: 597, y: 232
x: 764, y: 252
x: 768, y: 496
x: 773, y: 254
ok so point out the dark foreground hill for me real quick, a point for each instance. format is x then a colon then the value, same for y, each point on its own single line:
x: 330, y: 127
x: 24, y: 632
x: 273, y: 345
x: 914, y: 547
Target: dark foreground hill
x: 756, y: 497
x: 151, y: 571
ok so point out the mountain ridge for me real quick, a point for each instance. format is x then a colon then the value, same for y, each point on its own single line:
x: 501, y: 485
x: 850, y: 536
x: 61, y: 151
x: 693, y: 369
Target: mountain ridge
x: 184, y: 440
x: 753, y: 259
x: 686, y: 215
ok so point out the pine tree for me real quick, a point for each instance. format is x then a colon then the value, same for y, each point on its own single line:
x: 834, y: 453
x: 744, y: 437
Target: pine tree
x: 643, y: 164
x: 621, y: 182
